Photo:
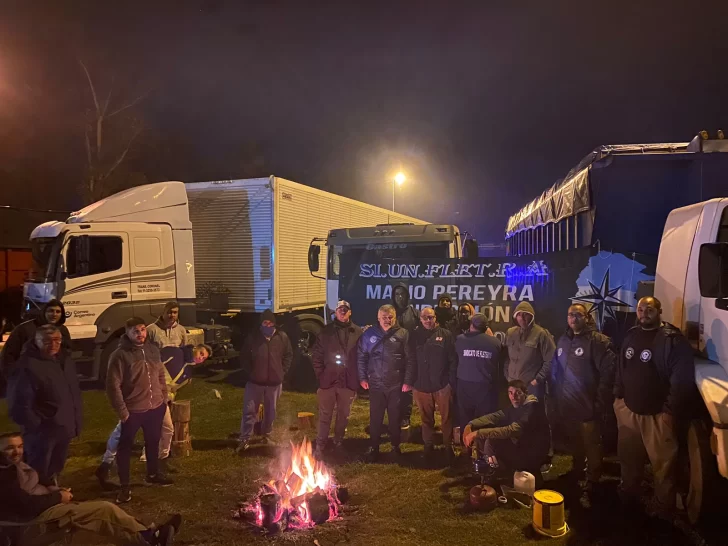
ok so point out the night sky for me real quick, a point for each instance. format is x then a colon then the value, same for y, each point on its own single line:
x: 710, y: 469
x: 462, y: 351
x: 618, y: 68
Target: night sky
x: 483, y: 105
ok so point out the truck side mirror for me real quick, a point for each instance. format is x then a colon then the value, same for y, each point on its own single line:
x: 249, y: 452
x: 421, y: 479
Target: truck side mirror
x: 471, y: 248
x: 713, y: 270
x: 314, y: 251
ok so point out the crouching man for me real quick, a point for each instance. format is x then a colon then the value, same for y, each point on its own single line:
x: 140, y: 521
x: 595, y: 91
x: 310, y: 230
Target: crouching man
x: 513, y: 439
x: 25, y: 500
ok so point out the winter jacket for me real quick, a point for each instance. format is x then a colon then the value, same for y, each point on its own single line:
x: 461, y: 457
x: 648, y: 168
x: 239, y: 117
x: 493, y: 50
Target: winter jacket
x: 383, y: 357
x: 17, y: 504
x: 529, y: 351
x: 479, y: 357
x: 334, y: 356
x: 44, y: 392
x: 525, y: 426
x: 582, y: 375
x: 267, y: 361
x: 162, y: 337
x: 25, y: 332
x: 135, y: 381
x: 407, y: 315
x: 435, y: 362
x: 673, y: 358
x: 446, y: 316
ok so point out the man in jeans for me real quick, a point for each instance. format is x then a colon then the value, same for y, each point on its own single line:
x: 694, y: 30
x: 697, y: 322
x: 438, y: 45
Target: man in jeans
x: 137, y: 390
x: 268, y: 354
x: 334, y: 361
x: 432, y: 375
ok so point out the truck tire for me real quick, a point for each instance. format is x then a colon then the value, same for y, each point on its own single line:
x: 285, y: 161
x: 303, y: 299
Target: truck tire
x: 109, y: 347
x: 309, y: 332
x: 303, y: 333
x: 702, y: 471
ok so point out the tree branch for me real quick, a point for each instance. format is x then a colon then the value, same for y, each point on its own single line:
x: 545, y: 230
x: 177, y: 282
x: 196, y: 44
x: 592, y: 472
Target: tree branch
x: 91, y: 85
x: 130, y: 104
x: 121, y: 157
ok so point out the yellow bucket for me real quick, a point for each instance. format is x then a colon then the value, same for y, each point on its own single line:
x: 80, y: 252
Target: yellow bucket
x: 548, y: 513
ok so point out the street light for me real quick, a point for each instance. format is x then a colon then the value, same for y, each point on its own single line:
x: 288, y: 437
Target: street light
x: 399, y: 179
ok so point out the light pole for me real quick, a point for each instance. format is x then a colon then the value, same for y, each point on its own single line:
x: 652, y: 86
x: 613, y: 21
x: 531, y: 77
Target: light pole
x: 398, y: 180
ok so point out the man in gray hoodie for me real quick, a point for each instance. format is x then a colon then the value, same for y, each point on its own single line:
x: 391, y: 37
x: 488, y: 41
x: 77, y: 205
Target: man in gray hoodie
x: 530, y: 350
x: 137, y: 389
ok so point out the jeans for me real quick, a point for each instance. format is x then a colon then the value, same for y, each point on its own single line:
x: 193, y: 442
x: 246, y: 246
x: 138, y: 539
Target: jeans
x: 46, y: 450
x: 253, y: 397
x: 150, y: 422
x: 379, y: 402
x: 328, y: 399
x: 165, y: 442
x: 406, y: 400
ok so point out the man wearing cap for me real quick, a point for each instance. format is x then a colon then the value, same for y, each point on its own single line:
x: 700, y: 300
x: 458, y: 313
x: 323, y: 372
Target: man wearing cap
x: 267, y: 354
x: 334, y: 361
x: 431, y: 374
x: 479, y: 356
x: 530, y: 350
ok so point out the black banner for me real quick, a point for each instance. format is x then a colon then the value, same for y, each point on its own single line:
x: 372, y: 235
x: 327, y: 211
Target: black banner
x: 606, y: 283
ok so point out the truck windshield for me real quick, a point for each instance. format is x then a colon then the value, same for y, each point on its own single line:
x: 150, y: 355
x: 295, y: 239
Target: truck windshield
x: 45, y: 252
x: 383, y: 252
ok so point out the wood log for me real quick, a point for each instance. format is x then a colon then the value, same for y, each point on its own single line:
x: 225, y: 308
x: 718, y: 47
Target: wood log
x: 181, y: 441
x: 305, y: 420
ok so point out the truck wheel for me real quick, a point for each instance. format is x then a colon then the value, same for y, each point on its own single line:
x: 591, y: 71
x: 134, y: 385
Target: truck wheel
x: 109, y: 347
x: 309, y: 332
x: 703, y: 474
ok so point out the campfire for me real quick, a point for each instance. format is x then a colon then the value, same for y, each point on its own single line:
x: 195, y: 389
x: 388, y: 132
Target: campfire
x: 302, y: 494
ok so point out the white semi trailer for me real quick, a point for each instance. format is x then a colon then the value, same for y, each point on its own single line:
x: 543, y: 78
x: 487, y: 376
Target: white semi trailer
x: 226, y: 250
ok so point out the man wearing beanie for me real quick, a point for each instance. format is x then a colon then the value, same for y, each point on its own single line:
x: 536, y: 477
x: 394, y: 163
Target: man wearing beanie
x: 267, y: 355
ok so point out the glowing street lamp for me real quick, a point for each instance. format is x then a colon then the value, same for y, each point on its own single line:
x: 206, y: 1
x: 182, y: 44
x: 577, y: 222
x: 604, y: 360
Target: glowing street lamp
x: 398, y: 180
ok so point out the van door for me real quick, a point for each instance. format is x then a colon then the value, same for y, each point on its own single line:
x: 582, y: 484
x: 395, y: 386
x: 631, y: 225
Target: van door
x: 94, y: 275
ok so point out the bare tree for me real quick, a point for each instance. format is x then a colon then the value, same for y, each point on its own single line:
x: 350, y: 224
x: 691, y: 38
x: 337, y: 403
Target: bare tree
x: 110, y: 132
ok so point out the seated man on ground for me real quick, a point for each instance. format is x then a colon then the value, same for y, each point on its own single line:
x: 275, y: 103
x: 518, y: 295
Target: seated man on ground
x: 25, y: 500
x: 513, y: 439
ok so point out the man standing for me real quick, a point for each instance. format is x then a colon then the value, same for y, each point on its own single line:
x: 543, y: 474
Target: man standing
x: 45, y: 399
x: 25, y: 500
x: 334, y: 361
x: 582, y: 378
x: 513, y: 439
x: 137, y: 390
x: 530, y: 350
x: 432, y: 375
x: 654, y: 388
x: 444, y: 313
x: 407, y: 318
x: 167, y: 331
x: 479, y: 356
x: 268, y: 354
x: 53, y: 313
x: 382, y: 358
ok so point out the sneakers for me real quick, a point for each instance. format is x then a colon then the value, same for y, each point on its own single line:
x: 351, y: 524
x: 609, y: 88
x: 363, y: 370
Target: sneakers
x: 102, y: 474
x: 372, y: 455
x: 405, y: 424
x: 158, y: 479
x: 124, y: 495
x: 243, y: 446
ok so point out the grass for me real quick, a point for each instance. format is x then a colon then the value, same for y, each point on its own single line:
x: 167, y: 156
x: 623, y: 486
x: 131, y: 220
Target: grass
x: 390, y: 504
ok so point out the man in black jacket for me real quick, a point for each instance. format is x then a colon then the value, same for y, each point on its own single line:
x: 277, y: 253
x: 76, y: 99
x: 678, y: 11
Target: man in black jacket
x: 513, y: 439
x: 24, y: 500
x: 383, y: 355
x: 654, y: 390
x: 581, y: 382
x: 334, y: 361
x: 445, y: 314
x: 479, y: 356
x: 53, y: 313
x: 268, y: 354
x: 432, y: 375
x: 407, y: 318
x: 44, y: 398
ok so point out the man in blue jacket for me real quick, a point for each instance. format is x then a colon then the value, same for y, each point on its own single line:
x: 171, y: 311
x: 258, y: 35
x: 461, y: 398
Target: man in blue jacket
x: 44, y: 398
x: 382, y: 358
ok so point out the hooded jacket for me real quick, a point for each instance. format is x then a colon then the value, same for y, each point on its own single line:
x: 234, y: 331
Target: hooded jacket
x: 337, y: 338
x: 407, y: 316
x: 135, y: 381
x: 268, y: 360
x: 582, y: 375
x: 25, y: 332
x: 435, y: 362
x: 479, y: 356
x: 446, y: 316
x: 44, y: 393
x: 161, y: 336
x: 529, y: 351
x: 16, y: 504
x: 383, y: 357
x: 456, y: 327
x: 673, y: 358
